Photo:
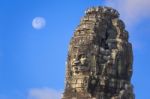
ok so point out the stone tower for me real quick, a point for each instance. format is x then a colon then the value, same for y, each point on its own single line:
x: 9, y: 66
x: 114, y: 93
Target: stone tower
x: 99, y: 63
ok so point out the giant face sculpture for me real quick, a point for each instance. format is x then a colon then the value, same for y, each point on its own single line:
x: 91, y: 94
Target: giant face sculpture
x: 99, y: 64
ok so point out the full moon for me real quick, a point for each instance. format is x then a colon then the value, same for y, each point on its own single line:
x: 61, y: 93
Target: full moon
x: 38, y: 23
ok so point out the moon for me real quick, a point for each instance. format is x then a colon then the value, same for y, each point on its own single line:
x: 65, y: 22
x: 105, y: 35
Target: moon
x: 38, y: 23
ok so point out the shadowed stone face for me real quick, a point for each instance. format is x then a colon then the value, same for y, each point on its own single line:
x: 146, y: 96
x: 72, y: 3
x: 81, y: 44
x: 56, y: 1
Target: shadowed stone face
x: 99, y: 64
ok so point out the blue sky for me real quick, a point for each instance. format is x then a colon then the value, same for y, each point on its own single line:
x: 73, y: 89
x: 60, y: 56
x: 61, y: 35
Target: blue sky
x: 32, y: 62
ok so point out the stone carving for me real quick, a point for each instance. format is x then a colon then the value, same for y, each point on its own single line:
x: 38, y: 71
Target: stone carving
x: 99, y: 64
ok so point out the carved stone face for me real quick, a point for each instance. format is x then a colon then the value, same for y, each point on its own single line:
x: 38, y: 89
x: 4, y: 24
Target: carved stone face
x: 100, y: 58
x: 79, y: 64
